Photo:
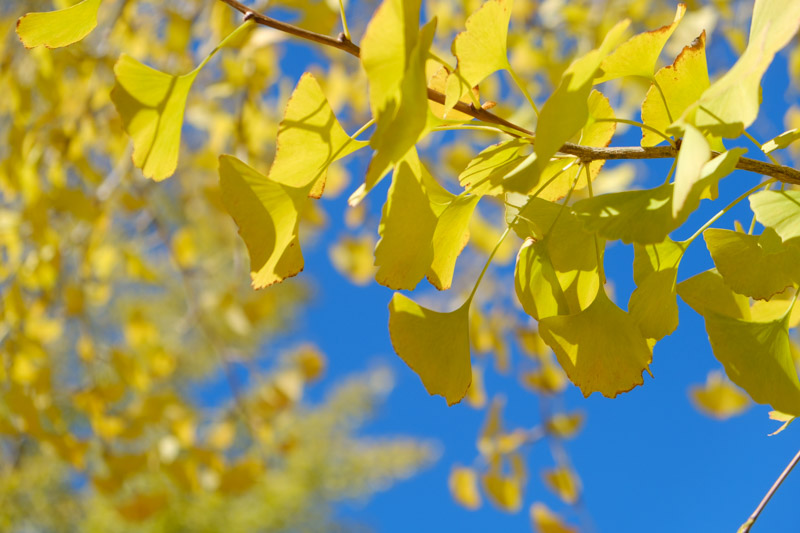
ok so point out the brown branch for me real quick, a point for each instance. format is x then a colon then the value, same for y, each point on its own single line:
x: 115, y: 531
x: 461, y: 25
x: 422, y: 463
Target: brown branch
x: 584, y: 153
x: 745, y: 528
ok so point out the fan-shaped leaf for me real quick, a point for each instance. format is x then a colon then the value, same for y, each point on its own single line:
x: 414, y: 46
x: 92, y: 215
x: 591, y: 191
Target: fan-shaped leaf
x: 55, y: 29
x: 719, y: 398
x: 779, y: 210
x: 653, y: 304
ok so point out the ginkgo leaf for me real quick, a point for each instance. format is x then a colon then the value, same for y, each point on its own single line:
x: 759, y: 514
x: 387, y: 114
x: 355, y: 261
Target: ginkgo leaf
x: 681, y: 85
x: 480, y: 50
x: 781, y: 417
x: 564, y: 113
x: 476, y: 394
x: 731, y: 103
x: 546, y: 521
x: 484, y: 174
x: 718, y: 397
x: 563, y: 482
x: 267, y: 214
x: 600, y: 348
x: 449, y: 238
x: 781, y: 141
x: 386, y: 47
x: 405, y: 250
x: 439, y: 83
x: 309, y: 139
x: 556, y: 271
x: 434, y: 345
x: 779, y: 210
x: 756, y: 354
x: 505, y: 490
x: 653, y: 304
x: 463, y: 484
x: 353, y: 257
x: 55, y: 29
x: 598, y: 131
x: 399, y: 125
x: 693, y: 155
x: 638, y: 55
x: 151, y: 105
x: 758, y: 266
x: 565, y: 426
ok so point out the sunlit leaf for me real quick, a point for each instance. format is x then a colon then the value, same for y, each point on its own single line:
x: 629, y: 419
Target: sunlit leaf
x: 564, y: 113
x: 693, y: 155
x: 782, y: 141
x: 449, y: 238
x: 546, y: 521
x: 638, y: 55
x: 731, y: 103
x: 779, y: 210
x: 758, y: 266
x: 653, y: 304
x: 309, y: 139
x: 267, y: 214
x: 781, y: 417
x: 434, y: 345
x: 719, y: 398
x: 481, y: 49
x: 600, y: 348
x: 485, y: 173
x: 55, y: 29
x: 464, y: 487
x: 756, y: 355
x: 151, y: 105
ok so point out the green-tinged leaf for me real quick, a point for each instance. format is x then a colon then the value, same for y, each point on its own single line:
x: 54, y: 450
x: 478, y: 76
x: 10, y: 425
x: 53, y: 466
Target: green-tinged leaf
x: 716, y: 169
x: 653, y: 304
x: 435, y: 345
x: 756, y: 354
x: 600, y: 348
x: 556, y: 271
x: 638, y: 55
x: 693, y: 155
x: 309, y: 139
x: 781, y: 417
x: 480, y: 50
x: 731, y: 103
x: 55, y: 29
x: 485, y: 173
x: 405, y: 250
x: 758, y: 266
x: 779, y: 210
x: 564, y: 113
x: 151, y: 105
x: 399, y: 125
x: 782, y: 141
x: 718, y: 397
x: 682, y: 84
x: 267, y: 214
x: 449, y: 238
x: 386, y: 48
x: 594, y: 133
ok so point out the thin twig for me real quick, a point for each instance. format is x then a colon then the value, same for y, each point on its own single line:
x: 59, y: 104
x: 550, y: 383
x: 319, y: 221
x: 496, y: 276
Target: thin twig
x: 584, y: 153
x: 753, y: 517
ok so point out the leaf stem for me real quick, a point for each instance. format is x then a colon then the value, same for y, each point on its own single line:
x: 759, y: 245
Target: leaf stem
x: 524, y: 90
x: 760, y: 147
x: 600, y: 269
x: 745, y: 528
x: 671, y: 170
x: 663, y: 99
x: 489, y: 260
x: 222, y: 43
x: 726, y: 209
x: 345, y: 29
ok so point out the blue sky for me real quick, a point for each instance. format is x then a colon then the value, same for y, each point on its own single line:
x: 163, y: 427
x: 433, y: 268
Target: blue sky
x: 648, y: 460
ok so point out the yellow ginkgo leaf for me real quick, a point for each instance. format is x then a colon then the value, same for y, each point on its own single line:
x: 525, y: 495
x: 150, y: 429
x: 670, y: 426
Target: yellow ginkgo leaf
x: 143, y: 506
x: 565, y: 426
x: 505, y: 489
x: 481, y: 49
x: 484, y: 173
x: 151, y: 105
x: 563, y: 482
x: 463, y: 484
x: 732, y: 102
x: 476, y: 394
x: 718, y: 397
x: 653, y: 304
x: 449, y: 238
x: 55, y: 29
x: 781, y: 417
x: 638, y: 55
x: 681, y: 84
x: 600, y: 348
x: 267, y: 214
x: 310, y: 138
x: 353, y: 258
x: 546, y: 521
x: 758, y: 266
x: 434, y: 345
x: 779, y: 210
x: 564, y: 113
x: 692, y: 157
x: 782, y: 141
x: 756, y: 353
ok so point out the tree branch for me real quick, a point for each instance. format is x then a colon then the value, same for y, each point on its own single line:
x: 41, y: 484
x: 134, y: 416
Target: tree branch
x: 745, y: 528
x: 584, y: 153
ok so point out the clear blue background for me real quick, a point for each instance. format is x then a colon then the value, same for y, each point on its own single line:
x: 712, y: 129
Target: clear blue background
x: 648, y: 460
